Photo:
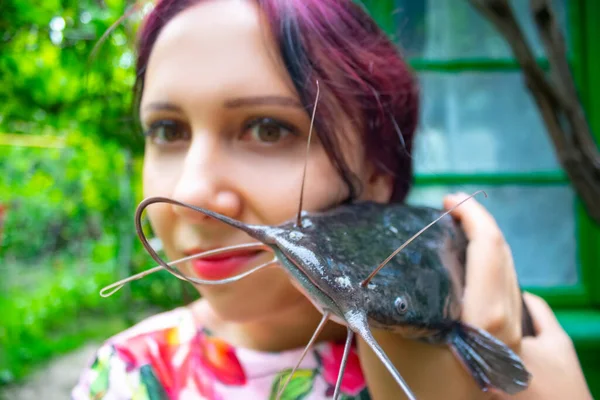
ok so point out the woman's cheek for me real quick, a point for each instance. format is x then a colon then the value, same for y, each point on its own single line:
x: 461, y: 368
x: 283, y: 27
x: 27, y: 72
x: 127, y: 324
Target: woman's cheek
x: 162, y: 170
x: 160, y: 215
x: 276, y: 187
x: 152, y: 175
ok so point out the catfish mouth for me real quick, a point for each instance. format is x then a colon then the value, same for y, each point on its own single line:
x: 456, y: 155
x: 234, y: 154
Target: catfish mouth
x: 335, y: 315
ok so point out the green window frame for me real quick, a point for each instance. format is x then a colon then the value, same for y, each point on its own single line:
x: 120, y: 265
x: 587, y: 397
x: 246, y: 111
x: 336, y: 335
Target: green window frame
x: 577, y: 306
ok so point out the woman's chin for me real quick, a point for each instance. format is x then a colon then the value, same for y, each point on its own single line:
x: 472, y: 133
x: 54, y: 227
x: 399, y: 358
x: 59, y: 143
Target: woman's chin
x: 233, y: 305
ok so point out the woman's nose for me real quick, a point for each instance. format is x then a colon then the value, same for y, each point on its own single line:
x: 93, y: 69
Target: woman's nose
x: 204, y: 183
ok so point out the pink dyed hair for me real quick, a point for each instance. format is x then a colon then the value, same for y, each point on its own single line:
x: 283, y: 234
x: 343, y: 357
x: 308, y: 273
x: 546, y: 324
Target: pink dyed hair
x: 337, y: 43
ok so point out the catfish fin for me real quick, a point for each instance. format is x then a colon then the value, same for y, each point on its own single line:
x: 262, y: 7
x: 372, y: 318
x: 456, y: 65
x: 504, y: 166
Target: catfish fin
x: 492, y: 363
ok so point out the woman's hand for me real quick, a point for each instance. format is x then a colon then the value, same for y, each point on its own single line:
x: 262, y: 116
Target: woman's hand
x: 492, y: 301
x: 551, y: 358
x: 492, y: 297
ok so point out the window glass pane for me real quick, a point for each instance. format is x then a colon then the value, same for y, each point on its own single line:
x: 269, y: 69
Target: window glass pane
x: 480, y: 122
x: 537, y: 222
x: 447, y: 29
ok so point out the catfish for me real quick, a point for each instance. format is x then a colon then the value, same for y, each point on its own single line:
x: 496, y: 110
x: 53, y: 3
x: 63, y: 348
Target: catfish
x: 332, y: 255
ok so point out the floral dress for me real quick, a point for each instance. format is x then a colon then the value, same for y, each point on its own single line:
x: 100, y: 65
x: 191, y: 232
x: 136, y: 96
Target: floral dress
x: 168, y: 356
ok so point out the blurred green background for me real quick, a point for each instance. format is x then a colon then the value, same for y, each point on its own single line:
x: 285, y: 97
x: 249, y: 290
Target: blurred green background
x: 69, y: 165
x: 70, y: 158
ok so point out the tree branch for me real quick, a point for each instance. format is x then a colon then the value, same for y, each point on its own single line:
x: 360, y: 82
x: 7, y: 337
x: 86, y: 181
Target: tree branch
x: 556, y: 97
x: 554, y: 45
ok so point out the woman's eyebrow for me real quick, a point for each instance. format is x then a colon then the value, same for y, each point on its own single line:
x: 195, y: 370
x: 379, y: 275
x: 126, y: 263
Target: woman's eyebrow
x: 162, y: 106
x: 262, y: 101
x: 233, y: 103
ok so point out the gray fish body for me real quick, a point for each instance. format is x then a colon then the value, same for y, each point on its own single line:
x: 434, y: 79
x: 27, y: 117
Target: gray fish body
x: 336, y: 256
x: 334, y: 251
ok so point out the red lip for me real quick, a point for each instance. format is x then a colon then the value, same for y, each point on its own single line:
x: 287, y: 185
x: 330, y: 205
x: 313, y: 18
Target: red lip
x: 224, y: 265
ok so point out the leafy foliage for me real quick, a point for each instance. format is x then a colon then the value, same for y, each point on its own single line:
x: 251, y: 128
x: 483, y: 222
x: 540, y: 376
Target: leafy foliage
x: 62, y: 196
x: 68, y: 233
x: 50, y: 80
x: 69, y: 225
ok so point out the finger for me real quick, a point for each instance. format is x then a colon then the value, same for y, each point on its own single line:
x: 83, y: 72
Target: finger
x: 492, y: 299
x: 492, y: 296
x: 544, y: 320
x: 489, y: 272
x: 486, y: 242
x: 475, y: 219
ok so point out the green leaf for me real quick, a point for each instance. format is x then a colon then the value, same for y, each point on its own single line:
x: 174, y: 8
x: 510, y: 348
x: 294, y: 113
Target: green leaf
x: 101, y: 367
x: 141, y: 393
x: 299, y: 386
x: 363, y: 395
x: 154, y: 388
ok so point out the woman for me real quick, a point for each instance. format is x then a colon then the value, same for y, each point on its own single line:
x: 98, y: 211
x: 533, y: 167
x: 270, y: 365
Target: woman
x: 225, y: 89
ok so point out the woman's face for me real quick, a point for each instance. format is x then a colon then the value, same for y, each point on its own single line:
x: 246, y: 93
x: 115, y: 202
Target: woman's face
x: 226, y: 132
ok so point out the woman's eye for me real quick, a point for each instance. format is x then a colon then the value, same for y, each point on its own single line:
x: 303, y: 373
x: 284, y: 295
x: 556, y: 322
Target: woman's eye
x: 267, y: 130
x: 167, y: 131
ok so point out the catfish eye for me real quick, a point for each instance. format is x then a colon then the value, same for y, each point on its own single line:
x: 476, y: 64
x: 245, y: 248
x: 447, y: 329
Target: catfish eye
x: 401, y: 305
